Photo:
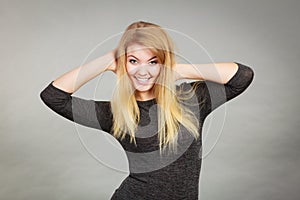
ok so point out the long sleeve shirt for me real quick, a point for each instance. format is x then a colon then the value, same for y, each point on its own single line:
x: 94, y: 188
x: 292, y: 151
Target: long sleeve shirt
x: 154, y: 176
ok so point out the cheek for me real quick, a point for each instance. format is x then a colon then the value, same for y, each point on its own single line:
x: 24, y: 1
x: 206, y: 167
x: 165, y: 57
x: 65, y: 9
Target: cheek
x: 129, y: 69
x: 156, y: 71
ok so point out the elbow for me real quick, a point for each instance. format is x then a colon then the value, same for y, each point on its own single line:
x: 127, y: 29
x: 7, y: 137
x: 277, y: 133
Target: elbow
x: 249, y: 74
x: 43, y: 96
x: 245, y: 72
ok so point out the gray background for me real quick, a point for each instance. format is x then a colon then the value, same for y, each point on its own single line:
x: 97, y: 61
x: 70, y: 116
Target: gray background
x: 42, y: 157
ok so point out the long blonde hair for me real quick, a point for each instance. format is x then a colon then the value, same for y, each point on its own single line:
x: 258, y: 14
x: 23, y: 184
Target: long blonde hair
x: 126, y: 114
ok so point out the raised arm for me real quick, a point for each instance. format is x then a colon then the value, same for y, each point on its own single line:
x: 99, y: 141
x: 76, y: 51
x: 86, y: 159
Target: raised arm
x: 71, y: 81
x: 233, y: 80
x: 58, y: 95
x: 216, y: 72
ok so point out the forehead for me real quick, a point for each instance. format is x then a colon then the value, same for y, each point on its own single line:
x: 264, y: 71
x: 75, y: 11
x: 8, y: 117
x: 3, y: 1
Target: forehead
x: 137, y: 49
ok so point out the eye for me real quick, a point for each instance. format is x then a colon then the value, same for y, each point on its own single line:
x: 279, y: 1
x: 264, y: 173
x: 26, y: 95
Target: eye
x: 132, y: 61
x: 153, y: 62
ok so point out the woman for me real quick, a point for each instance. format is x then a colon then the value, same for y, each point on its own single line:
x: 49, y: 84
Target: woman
x: 158, y: 123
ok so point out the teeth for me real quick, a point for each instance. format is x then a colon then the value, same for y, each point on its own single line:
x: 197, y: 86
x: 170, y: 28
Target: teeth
x: 143, y: 79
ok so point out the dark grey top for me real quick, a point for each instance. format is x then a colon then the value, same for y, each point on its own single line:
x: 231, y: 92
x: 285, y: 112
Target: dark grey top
x: 154, y: 176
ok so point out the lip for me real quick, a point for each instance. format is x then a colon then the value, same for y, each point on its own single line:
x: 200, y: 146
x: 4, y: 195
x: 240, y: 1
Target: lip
x: 143, y: 82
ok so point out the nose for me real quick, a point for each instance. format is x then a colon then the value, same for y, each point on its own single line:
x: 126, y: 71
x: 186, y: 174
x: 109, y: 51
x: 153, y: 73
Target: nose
x: 142, y: 69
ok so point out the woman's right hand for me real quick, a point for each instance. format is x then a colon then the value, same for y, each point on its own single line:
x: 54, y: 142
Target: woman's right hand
x: 113, y: 66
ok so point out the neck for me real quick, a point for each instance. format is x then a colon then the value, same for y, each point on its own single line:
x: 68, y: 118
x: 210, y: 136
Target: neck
x: 144, y: 96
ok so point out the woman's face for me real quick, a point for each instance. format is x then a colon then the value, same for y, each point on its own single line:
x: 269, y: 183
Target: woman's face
x: 143, y: 68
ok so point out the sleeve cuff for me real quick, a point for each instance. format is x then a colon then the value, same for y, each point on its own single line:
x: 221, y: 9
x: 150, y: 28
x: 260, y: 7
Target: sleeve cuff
x: 238, y: 76
x: 52, y: 87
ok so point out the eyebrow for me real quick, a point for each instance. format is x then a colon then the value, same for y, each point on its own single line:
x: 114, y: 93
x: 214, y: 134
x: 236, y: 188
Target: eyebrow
x: 138, y: 59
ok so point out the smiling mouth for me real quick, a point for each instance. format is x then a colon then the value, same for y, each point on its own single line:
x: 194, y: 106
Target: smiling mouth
x: 142, y: 80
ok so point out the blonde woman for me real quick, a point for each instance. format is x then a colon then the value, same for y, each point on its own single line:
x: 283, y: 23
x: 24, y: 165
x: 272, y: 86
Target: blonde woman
x: 157, y: 122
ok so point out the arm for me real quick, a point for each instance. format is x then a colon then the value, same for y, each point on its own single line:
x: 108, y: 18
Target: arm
x: 71, y: 81
x: 90, y: 113
x: 216, y: 72
x: 215, y: 94
x: 58, y: 95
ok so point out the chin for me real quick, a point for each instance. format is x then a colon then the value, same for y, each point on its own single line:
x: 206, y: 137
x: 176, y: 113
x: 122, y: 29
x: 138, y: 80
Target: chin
x: 143, y: 88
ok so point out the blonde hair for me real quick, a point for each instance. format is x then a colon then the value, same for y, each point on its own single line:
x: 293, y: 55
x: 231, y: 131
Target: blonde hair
x: 126, y: 114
